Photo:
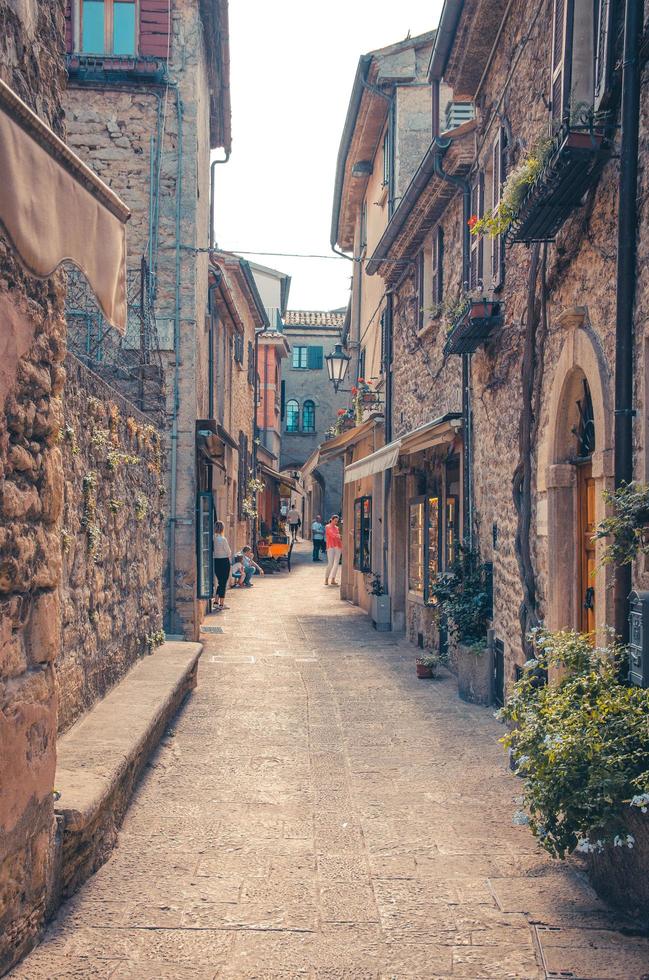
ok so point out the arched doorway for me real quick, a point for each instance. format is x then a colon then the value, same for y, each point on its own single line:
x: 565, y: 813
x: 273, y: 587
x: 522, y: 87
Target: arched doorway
x: 575, y: 467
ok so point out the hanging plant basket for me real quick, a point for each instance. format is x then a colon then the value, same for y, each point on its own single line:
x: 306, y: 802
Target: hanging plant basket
x: 473, y: 327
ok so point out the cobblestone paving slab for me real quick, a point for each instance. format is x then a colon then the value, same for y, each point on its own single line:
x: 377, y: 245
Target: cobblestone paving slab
x: 316, y: 811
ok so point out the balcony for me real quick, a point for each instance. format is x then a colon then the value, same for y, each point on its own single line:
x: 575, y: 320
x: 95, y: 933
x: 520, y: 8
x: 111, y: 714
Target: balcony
x: 573, y: 164
x: 473, y: 326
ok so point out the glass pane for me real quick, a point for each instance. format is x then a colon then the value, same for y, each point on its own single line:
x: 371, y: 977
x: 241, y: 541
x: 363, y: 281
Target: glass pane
x: 416, y: 548
x: 92, y: 39
x: 308, y: 417
x: 205, y: 530
x: 433, y: 539
x: 123, y: 27
x: 357, y: 534
x: 292, y: 416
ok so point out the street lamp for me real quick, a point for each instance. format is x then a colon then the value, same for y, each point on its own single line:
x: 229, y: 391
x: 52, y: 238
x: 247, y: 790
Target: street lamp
x: 337, y: 364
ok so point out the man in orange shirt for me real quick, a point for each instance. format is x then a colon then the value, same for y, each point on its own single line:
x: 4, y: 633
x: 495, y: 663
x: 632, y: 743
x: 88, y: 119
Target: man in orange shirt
x: 334, y: 550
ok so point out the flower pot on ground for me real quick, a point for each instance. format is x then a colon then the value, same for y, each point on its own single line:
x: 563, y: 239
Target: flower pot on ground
x: 427, y: 667
x: 474, y: 666
x: 381, y: 613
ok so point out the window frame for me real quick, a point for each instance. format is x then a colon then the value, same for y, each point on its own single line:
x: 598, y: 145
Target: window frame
x: 431, y: 504
x: 205, y: 514
x: 498, y: 177
x: 309, y: 405
x: 109, y: 29
x: 288, y: 408
x: 476, y: 245
x: 437, y: 266
x: 300, y: 367
x: 363, y: 533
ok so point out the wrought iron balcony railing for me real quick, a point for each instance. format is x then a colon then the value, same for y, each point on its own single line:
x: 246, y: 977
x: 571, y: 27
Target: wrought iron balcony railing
x: 473, y: 326
x: 132, y: 364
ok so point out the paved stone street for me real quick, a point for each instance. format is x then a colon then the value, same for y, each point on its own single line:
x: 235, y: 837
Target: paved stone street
x: 318, y: 811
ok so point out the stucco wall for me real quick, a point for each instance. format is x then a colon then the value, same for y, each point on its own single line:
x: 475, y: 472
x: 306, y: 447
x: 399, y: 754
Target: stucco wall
x: 112, y: 541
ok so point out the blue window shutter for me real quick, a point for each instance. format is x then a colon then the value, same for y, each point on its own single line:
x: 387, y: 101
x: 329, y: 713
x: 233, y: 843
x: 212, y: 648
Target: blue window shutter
x: 315, y: 358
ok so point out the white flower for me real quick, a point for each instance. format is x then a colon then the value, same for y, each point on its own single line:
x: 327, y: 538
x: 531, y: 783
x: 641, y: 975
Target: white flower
x: 520, y: 819
x: 584, y: 845
x: 642, y: 801
x: 530, y: 664
x: 627, y: 841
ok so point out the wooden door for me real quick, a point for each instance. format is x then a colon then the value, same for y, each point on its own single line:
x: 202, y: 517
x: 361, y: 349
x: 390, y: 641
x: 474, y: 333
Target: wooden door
x: 586, y: 548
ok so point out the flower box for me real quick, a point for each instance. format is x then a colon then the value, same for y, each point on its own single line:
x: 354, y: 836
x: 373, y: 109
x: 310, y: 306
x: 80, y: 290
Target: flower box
x: 560, y: 187
x: 473, y: 327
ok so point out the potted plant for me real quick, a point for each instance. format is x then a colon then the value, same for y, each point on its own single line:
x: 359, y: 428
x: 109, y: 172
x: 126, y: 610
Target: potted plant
x: 461, y: 595
x: 381, y: 605
x: 427, y: 666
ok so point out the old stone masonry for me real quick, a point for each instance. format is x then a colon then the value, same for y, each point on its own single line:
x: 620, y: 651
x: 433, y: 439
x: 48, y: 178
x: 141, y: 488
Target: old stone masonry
x: 316, y: 811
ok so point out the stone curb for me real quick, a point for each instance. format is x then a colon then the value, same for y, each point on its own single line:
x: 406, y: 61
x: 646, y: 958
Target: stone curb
x: 101, y: 758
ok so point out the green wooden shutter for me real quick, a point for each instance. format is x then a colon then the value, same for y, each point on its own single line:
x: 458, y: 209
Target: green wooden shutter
x: 314, y: 362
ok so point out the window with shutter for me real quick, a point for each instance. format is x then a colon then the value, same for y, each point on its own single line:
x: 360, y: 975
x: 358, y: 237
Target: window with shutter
x: 477, y: 243
x: 498, y: 179
x: 104, y: 27
x: 604, y: 50
x: 315, y: 358
x: 560, y: 85
x: 420, y: 286
x: 155, y: 37
x: 437, y: 266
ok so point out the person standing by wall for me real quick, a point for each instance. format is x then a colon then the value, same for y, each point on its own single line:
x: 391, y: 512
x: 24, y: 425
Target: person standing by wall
x: 317, y: 535
x: 294, y: 521
x: 222, y: 555
x: 334, y: 550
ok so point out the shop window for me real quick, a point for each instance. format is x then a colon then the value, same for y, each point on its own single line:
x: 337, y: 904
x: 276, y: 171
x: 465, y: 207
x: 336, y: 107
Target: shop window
x: 363, y: 534
x: 204, y: 542
x: 423, y: 544
x: 308, y: 416
x: 292, y: 416
x: 451, y: 527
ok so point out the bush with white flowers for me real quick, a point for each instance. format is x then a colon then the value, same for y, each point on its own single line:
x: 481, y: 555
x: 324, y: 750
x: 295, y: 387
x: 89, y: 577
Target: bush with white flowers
x: 581, y: 744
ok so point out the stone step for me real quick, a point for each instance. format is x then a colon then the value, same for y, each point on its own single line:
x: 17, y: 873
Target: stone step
x: 101, y: 758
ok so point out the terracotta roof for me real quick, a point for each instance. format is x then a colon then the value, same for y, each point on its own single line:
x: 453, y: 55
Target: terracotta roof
x: 314, y: 318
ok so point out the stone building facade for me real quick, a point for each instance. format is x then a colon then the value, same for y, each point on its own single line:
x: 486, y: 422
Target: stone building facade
x: 308, y: 401
x: 501, y: 363
x: 145, y: 114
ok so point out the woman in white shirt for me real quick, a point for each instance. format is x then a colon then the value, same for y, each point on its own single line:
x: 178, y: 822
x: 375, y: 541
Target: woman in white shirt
x: 222, y: 555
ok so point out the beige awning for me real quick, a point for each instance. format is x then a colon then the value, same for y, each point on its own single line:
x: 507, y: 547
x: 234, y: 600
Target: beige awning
x: 336, y: 446
x: 55, y: 209
x: 436, y: 433
x: 382, y: 459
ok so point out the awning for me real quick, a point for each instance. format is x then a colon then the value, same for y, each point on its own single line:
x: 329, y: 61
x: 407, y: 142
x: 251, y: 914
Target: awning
x: 55, y: 209
x: 280, y: 478
x: 335, y: 447
x: 382, y: 459
x: 436, y: 433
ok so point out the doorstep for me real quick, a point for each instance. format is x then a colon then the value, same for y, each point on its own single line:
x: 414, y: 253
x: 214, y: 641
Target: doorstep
x: 101, y: 758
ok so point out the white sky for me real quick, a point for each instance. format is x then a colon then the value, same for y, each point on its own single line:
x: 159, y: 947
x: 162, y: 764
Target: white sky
x: 292, y: 68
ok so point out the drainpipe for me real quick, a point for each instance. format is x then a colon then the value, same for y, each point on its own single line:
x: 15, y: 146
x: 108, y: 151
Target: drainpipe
x: 467, y: 497
x: 626, y: 279
x: 213, y: 166
x: 172, y: 614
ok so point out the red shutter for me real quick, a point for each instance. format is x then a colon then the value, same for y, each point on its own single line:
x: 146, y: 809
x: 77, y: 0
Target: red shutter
x: 154, y: 28
x: 69, y: 33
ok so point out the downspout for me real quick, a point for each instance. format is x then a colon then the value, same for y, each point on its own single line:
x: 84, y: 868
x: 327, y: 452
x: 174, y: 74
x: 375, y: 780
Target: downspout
x: 626, y: 275
x: 172, y: 617
x: 467, y: 469
x: 213, y: 166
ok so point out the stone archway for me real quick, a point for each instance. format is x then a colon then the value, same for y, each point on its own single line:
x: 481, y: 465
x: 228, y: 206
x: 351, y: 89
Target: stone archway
x: 572, y: 478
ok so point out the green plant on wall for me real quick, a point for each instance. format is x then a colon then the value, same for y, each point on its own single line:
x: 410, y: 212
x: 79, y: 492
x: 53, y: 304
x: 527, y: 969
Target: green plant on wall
x: 141, y: 507
x: 461, y: 595
x: 498, y: 220
x: 627, y: 527
x: 70, y: 436
x: 89, y: 513
x: 581, y: 744
x: 155, y: 639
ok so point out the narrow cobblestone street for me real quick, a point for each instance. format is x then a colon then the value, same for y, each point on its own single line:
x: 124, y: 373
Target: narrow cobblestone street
x: 318, y: 811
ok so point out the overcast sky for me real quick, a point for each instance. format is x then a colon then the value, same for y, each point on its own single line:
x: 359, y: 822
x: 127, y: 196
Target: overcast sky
x: 292, y: 68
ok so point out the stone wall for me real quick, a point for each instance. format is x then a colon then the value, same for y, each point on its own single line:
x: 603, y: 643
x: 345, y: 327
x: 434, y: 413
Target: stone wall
x: 30, y: 504
x: 580, y: 296
x: 112, y: 541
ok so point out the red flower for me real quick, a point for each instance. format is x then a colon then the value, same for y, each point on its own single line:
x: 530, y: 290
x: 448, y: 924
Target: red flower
x: 341, y: 411
x: 472, y: 222
x: 354, y: 391
x: 361, y: 381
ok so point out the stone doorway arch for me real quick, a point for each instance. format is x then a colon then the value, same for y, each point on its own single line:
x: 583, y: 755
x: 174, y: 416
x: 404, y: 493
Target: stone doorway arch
x: 572, y: 476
